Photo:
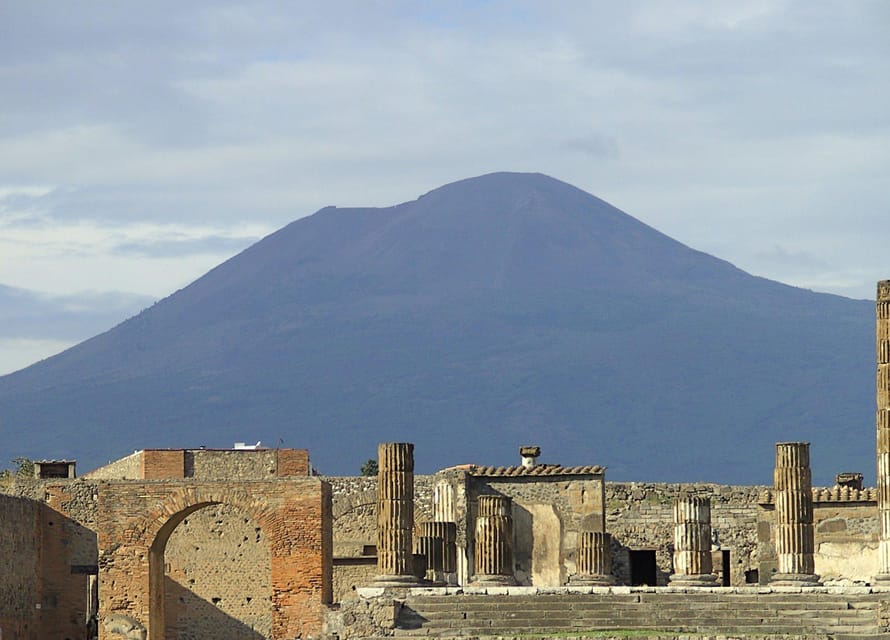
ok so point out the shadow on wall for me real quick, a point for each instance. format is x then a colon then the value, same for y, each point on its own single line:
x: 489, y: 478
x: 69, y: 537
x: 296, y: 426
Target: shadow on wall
x: 524, y: 544
x: 198, y: 619
x: 68, y: 554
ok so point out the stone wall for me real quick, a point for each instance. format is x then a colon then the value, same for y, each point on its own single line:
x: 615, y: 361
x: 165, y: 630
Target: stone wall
x: 19, y: 559
x: 354, y: 508
x: 206, y: 464
x: 350, y: 574
x: 639, y: 517
x: 549, y: 513
x: 218, y: 582
x: 846, y: 535
x: 128, y: 468
x: 59, y: 555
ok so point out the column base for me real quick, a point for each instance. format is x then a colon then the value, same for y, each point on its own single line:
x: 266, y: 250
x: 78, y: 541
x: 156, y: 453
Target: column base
x: 435, y: 579
x: 693, y: 580
x: 395, y: 581
x: 591, y: 580
x: 795, y: 580
x: 493, y: 581
x: 881, y: 580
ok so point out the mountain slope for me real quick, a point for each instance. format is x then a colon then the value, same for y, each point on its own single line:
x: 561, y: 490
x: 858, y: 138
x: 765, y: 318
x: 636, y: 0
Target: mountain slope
x: 495, y: 311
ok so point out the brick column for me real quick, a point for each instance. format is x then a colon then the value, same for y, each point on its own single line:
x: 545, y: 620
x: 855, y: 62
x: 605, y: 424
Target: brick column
x: 882, y: 339
x: 794, y: 516
x: 594, y: 560
x: 494, y: 541
x: 692, y: 543
x: 395, y: 514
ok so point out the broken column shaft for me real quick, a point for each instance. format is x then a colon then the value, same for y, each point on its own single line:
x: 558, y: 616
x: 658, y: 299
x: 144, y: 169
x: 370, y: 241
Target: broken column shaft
x: 692, y: 542
x: 594, y: 559
x: 794, y: 516
x: 436, y: 544
x: 395, y: 514
x: 882, y: 340
x: 494, y: 541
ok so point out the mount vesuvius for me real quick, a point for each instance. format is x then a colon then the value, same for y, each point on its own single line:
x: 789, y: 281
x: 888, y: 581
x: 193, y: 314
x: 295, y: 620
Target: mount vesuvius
x: 496, y: 311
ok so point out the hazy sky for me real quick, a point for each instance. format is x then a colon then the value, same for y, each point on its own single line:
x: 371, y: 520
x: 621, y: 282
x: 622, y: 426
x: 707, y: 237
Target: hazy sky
x: 143, y: 143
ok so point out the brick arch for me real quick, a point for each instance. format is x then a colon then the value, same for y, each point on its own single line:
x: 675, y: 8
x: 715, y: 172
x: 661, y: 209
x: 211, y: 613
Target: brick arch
x: 137, y: 518
x: 177, y: 505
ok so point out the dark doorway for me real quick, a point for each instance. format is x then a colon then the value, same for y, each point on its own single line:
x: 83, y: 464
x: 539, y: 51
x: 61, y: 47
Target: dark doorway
x: 643, y: 570
x: 727, y: 569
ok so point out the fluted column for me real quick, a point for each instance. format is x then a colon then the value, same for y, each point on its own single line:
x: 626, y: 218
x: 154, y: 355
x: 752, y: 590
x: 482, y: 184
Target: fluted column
x: 692, y: 542
x: 494, y: 541
x: 594, y: 559
x: 436, y: 543
x: 882, y: 339
x: 395, y: 514
x: 794, y: 515
x: 443, y: 502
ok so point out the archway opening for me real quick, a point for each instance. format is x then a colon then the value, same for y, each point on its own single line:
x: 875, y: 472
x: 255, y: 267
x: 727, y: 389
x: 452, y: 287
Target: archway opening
x: 210, y: 575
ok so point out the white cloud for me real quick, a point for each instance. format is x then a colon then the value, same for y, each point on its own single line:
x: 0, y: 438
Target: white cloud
x: 131, y: 133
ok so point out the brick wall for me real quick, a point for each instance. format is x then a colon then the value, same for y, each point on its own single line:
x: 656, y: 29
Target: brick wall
x: 161, y: 463
x: 137, y: 520
x: 293, y: 462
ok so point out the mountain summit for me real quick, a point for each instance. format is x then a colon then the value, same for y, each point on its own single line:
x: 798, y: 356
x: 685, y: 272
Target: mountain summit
x: 496, y: 311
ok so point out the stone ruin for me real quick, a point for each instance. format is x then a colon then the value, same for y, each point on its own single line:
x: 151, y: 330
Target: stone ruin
x: 250, y: 544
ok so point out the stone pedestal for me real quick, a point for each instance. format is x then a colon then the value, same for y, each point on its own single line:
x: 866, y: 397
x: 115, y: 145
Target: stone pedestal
x: 494, y: 541
x: 594, y: 560
x: 882, y: 339
x: 794, y: 516
x: 395, y: 514
x: 692, y: 543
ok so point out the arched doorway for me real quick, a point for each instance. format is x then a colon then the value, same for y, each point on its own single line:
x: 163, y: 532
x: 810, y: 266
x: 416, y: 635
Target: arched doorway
x: 217, y: 577
x: 140, y: 548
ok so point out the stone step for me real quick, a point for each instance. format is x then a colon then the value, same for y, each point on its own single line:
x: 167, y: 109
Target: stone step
x: 817, y: 615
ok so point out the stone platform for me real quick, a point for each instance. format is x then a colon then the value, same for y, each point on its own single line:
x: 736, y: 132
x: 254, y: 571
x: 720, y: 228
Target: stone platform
x: 801, y: 613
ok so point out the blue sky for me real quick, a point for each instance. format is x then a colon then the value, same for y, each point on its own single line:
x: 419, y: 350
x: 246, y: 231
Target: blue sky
x: 143, y: 143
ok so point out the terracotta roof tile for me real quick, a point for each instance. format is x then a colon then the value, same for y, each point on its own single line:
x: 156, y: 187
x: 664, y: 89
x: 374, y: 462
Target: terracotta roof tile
x: 831, y: 494
x: 536, y: 470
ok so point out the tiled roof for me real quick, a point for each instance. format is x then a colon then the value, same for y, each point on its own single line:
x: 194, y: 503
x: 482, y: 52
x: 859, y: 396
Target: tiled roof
x: 536, y: 470
x: 831, y: 494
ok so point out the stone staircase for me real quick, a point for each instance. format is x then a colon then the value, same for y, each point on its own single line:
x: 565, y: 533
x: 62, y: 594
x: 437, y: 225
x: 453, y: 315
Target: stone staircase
x: 817, y: 614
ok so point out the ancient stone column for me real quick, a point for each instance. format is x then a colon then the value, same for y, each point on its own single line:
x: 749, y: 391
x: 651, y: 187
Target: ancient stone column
x: 594, y: 560
x: 692, y: 543
x: 443, y: 502
x: 395, y: 514
x: 436, y: 544
x: 494, y: 541
x: 882, y: 339
x: 793, y: 488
